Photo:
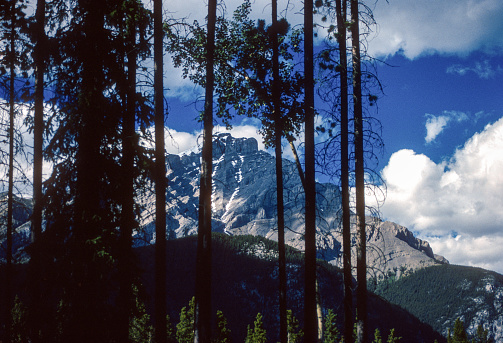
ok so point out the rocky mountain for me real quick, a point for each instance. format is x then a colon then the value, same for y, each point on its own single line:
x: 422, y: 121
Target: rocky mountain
x: 21, y: 226
x: 244, y: 202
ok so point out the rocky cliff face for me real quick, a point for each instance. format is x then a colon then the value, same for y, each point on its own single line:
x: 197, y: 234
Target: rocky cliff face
x: 244, y: 202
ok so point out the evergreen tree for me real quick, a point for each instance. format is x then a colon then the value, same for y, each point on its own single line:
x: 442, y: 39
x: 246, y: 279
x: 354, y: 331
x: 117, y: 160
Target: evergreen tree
x: 331, y: 333
x: 458, y: 333
x: 258, y: 333
x: 223, y: 332
x: 377, y: 336
x: 185, y: 328
x: 295, y: 334
x: 392, y: 338
x: 140, y: 331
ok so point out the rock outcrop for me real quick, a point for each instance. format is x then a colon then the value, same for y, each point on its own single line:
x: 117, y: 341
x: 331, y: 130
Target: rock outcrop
x: 244, y: 202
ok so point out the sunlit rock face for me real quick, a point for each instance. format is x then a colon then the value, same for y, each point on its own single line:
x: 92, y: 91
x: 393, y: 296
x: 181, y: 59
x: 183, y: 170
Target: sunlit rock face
x: 244, y: 202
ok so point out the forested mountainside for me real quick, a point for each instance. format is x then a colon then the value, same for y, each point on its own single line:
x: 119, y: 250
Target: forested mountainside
x: 245, y: 282
x: 439, y: 294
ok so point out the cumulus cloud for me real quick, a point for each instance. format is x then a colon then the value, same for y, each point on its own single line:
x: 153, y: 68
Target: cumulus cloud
x: 430, y: 26
x: 460, y: 196
x: 436, y: 124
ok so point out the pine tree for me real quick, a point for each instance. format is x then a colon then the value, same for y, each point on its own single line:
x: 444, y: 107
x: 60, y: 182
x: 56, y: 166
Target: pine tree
x: 331, y: 333
x: 223, y: 332
x: 185, y: 328
x: 295, y: 334
x: 258, y: 333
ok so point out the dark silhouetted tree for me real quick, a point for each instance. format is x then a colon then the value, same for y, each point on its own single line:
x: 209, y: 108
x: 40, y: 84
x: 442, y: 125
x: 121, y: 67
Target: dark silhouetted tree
x: 203, y: 259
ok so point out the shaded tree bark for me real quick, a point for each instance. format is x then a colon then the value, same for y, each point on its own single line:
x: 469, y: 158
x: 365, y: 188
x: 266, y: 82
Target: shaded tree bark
x: 202, y: 310
x: 278, y: 132
x: 341, y: 9
x: 10, y: 187
x: 160, y: 180
x: 361, y: 264
x: 36, y: 317
x: 128, y: 216
x: 310, y: 316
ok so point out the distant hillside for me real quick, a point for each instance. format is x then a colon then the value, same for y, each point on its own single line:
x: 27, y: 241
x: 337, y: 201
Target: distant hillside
x: 438, y: 295
x: 245, y: 282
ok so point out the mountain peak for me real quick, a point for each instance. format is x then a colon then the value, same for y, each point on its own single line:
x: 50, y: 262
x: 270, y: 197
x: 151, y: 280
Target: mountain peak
x: 225, y: 143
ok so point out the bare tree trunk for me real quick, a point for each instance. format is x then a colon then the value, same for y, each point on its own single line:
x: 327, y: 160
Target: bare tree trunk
x: 160, y: 180
x: 10, y: 188
x: 319, y: 310
x: 202, y: 309
x: 341, y: 7
x: 38, y: 141
x: 361, y: 264
x: 278, y: 132
x: 310, y: 317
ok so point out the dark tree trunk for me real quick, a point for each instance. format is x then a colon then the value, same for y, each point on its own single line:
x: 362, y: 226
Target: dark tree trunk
x: 278, y: 132
x: 341, y: 7
x: 202, y: 309
x: 128, y: 216
x: 10, y: 188
x: 160, y: 181
x: 361, y: 264
x: 310, y: 316
x: 36, y: 316
x: 87, y: 270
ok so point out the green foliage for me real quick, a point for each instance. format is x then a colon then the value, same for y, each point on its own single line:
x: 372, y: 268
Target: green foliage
x: 437, y: 294
x: 377, y: 336
x: 331, y: 333
x: 258, y: 333
x: 185, y: 328
x: 392, y: 338
x: 482, y: 335
x: 243, y: 68
x: 223, y: 333
x: 19, y: 327
x: 139, y: 329
x: 295, y: 334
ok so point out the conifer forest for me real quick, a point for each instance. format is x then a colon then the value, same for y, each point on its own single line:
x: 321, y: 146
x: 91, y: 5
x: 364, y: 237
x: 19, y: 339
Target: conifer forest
x: 82, y: 127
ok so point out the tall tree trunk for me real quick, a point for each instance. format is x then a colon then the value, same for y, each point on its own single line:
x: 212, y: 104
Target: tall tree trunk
x: 128, y: 216
x: 202, y: 309
x: 86, y: 268
x: 341, y: 8
x: 36, y: 317
x: 361, y: 263
x: 160, y: 181
x: 319, y: 309
x: 310, y: 316
x: 10, y: 188
x: 278, y: 132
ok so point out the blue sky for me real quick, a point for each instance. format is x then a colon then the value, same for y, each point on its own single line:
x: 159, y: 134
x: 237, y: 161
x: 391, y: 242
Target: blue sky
x: 441, y: 115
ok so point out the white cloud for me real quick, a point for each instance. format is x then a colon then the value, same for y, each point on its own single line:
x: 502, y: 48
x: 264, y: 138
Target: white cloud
x: 179, y: 141
x: 436, y: 124
x: 415, y: 28
x: 483, y: 70
x: 484, y: 252
x: 461, y: 195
